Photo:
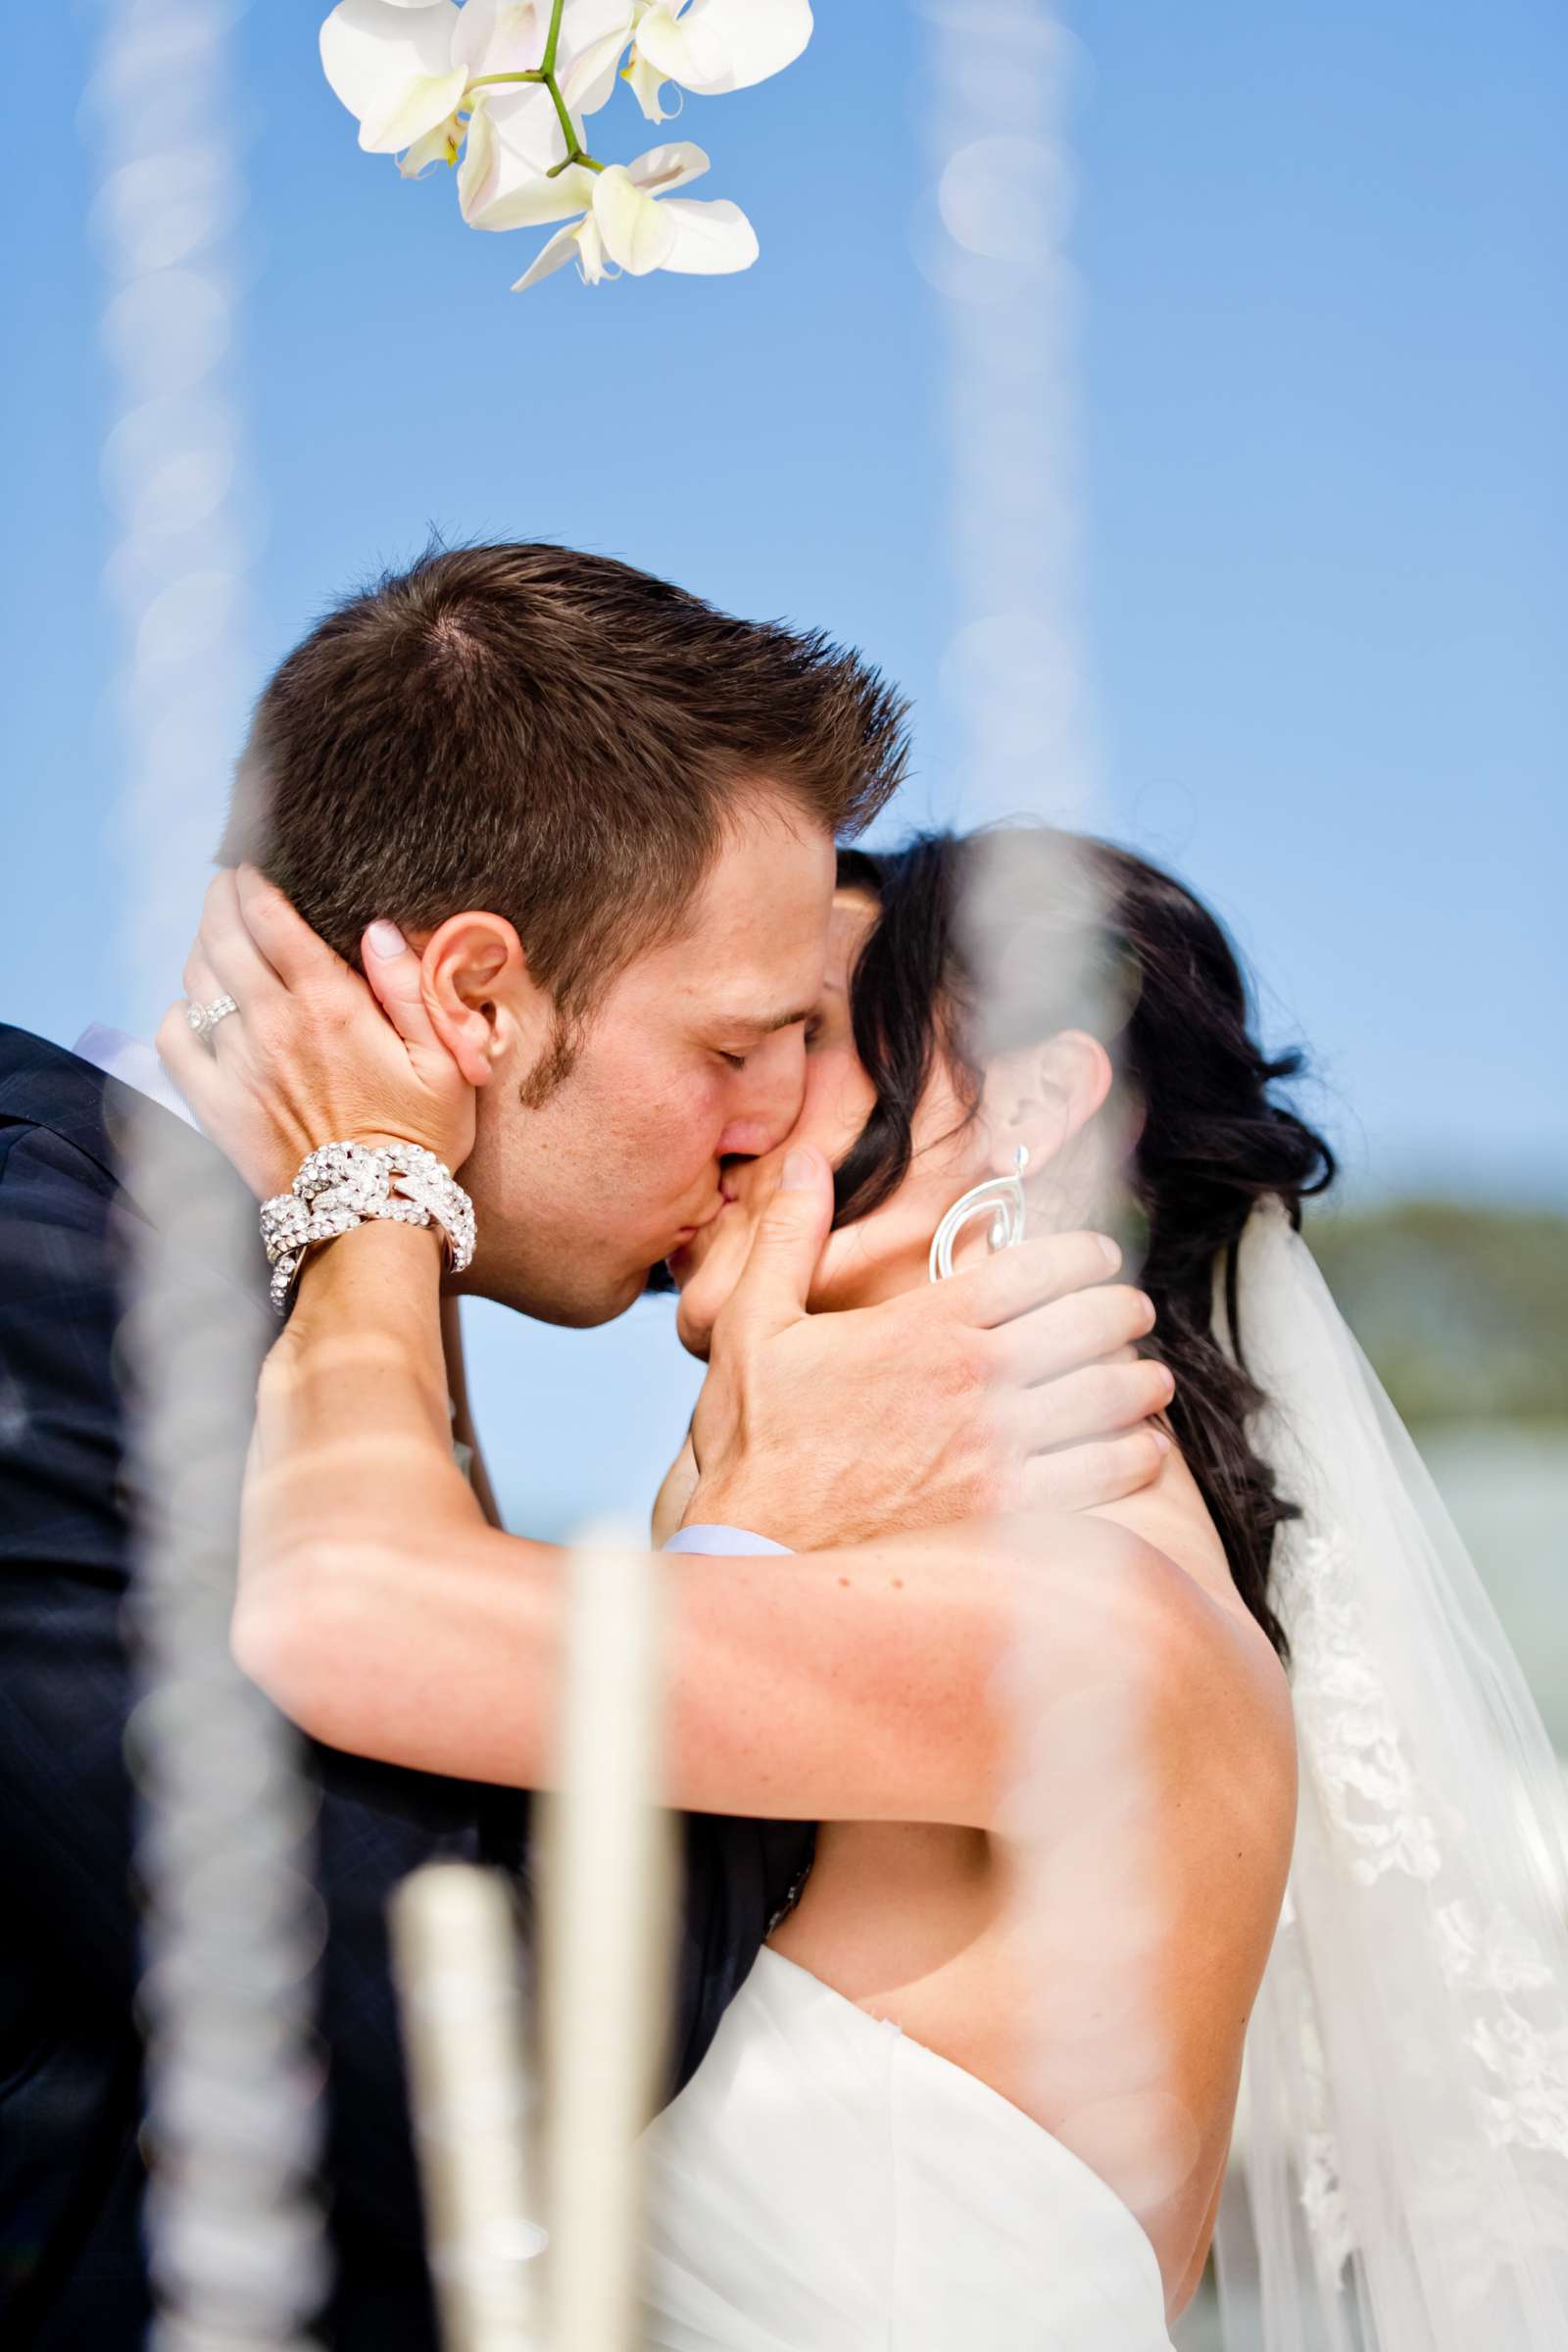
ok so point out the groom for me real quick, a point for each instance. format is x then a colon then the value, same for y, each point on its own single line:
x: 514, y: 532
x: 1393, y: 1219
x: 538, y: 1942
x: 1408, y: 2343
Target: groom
x: 509, y: 752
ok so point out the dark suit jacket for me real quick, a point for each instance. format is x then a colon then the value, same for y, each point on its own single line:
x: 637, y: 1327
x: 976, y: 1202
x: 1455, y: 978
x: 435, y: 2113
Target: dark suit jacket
x: 71, y: 2270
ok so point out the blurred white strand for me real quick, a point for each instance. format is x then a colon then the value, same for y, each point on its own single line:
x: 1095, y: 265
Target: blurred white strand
x: 160, y: 124
x: 1084, y: 1817
x: 609, y: 1873
x: 990, y: 238
x: 234, y: 1926
x: 458, y: 1954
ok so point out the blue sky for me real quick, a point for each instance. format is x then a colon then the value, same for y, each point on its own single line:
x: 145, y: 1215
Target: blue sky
x: 1324, y: 367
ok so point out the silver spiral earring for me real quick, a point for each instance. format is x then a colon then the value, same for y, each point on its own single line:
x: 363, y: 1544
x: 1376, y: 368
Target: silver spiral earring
x: 1001, y: 1198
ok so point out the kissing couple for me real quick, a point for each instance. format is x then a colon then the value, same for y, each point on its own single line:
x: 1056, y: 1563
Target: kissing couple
x: 541, y: 965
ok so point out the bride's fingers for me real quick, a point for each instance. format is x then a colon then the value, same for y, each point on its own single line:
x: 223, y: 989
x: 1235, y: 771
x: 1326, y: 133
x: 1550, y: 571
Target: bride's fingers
x: 224, y: 940
x: 396, y: 976
x: 198, y: 979
x: 296, y: 953
x: 203, y: 986
x: 190, y: 1066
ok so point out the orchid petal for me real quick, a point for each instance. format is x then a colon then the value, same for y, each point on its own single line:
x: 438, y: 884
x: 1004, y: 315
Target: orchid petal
x: 646, y: 82
x: 589, y: 81
x: 480, y: 169
x: 664, y: 168
x: 550, y: 258
x: 501, y: 36
x: 391, y: 64
x: 590, y: 252
x: 710, y: 239
x: 586, y: 22
x: 633, y: 227
x: 439, y: 146
x: 497, y: 192
x: 719, y: 45
x: 527, y: 127
x: 424, y: 105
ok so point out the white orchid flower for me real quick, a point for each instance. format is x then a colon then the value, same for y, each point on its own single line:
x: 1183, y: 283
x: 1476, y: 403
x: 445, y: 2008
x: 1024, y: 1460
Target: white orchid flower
x: 629, y: 218
x: 499, y: 89
x: 711, y: 46
x: 417, y: 72
x: 512, y: 144
x: 390, y: 62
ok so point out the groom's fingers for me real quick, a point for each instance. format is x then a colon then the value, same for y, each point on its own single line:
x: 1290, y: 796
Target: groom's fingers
x: 1079, y: 1476
x: 1099, y: 1401
x: 1083, y: 1329
x: 1030, y: 1275
x: 772, y: 1290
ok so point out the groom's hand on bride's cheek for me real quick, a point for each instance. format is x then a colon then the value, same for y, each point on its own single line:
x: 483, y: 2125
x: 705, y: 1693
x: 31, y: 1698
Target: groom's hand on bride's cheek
x: 1011, y: 1385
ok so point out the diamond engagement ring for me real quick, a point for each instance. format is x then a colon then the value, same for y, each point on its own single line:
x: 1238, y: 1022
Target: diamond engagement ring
x: 203, y: 1020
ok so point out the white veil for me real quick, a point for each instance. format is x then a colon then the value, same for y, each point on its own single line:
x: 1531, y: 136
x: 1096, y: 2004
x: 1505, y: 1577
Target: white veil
x: 1400, y: 2175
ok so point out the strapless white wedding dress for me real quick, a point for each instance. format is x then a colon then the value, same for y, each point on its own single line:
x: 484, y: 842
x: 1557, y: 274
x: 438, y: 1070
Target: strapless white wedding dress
x: 823, y: 2184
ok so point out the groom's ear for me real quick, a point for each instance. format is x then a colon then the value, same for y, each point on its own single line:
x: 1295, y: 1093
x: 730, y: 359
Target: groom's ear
x: 482, y: 1000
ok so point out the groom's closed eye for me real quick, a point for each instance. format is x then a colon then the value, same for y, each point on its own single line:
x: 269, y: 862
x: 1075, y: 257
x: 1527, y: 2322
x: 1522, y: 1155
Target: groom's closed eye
x: 745, y: 1032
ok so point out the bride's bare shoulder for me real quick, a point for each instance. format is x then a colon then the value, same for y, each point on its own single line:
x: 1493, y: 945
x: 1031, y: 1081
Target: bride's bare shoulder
x: 1209, y: 1641
x: 1223, y: 1701
x: 1142, y: 1602
x: 1213, y: 1693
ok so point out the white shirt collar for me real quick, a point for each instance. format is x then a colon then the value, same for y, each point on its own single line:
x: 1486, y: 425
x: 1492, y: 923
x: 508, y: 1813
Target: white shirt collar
x: 134, y: 1063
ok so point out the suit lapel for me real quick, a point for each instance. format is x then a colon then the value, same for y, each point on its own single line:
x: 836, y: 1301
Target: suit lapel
x: 47, y: 1087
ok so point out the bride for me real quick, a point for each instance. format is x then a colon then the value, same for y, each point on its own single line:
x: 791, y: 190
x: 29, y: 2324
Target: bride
x: 981, y: 2085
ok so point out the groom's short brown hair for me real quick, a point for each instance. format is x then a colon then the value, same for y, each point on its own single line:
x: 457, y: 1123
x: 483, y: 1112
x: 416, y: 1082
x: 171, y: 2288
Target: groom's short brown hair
x: 553, y: 736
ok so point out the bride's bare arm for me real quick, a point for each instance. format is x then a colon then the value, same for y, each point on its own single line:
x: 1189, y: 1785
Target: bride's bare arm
x: 387, y: 1618
x: 464, y: 1432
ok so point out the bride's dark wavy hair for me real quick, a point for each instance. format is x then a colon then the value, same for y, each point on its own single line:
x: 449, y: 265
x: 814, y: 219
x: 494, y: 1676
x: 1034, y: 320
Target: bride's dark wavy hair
x: 1077, y: 933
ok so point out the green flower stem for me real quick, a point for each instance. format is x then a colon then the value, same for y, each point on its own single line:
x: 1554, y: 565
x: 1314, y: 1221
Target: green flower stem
x: 545, y: 74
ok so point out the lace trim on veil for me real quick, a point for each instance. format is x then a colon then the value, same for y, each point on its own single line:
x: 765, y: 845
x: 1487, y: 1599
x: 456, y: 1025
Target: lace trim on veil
x: 1381, y: 1821
x: 1405, y: 2082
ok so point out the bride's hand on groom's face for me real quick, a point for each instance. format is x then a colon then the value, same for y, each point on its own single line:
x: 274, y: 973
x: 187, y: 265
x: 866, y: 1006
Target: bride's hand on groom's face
x: 1013, y: 1385
x: 312, y: 1056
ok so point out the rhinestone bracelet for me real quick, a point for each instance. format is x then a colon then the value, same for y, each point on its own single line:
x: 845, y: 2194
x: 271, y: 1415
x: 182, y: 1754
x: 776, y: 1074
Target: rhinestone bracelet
x: 344, y: 1185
